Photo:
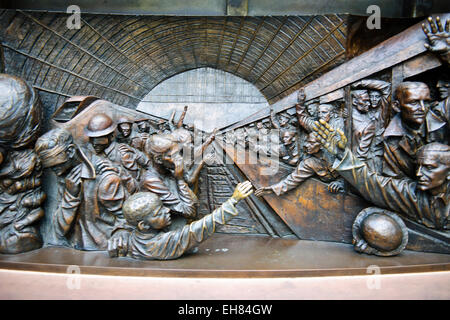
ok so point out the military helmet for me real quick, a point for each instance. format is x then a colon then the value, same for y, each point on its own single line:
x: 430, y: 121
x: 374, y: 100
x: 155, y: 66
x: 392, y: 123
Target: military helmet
x: 100, y: 125
x: 124, y: 119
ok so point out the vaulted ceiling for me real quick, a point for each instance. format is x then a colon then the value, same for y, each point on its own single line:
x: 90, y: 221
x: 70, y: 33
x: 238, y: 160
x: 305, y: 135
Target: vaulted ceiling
x: 120, y: 58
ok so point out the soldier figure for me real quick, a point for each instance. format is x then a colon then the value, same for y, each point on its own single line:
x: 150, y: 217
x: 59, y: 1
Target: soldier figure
x: 92, y: 192
x: 100, y: 131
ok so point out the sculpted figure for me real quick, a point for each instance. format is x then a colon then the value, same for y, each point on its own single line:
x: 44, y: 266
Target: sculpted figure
x: 289, y: 152
x: 21, y: 196
x: 412, y: 127
x: 424, y: 199
x: 149, y: 240
x: 166, y: 177
x: 314, y: 165
x: 124, y: 130
x: 370, y: 110
x: 92, y: 192
x: 100, y: 130
x: 142, y: 134
x: 326, y: 112
x: 442, y: 107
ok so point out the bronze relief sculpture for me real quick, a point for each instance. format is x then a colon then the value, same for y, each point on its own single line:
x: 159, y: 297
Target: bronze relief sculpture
x: 21, y: 196
x: 372, y: 158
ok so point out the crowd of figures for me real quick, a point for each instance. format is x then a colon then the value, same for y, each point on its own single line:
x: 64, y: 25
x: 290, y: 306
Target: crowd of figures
x: 399, y: 146
x: 131, y: 190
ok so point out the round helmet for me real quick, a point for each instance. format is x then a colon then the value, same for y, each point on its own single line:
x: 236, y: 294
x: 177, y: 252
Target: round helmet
x: 100, y: 125
x: 124, y: 119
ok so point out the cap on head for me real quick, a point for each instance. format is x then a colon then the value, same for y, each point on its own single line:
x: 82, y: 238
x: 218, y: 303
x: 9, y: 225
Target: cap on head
x: 123, y: 119
x: 140, y: 205
x: 100, y: 125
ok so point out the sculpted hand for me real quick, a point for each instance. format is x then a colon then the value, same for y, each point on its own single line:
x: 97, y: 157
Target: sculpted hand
x: 331, y: 139
x: 72, y: 182
x: 242, y: 191
x: 118, y: 245
x: 438, y: 37
x: 336, y: 186
x: 263, y: 191
x: 104, y: 166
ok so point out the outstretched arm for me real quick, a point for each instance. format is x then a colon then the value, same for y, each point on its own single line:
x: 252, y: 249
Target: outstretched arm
x: 173, y: 244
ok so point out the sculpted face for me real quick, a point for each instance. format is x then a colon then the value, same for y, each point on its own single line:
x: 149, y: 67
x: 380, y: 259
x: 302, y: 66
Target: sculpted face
x: 125, y: 129
x: 375, y: 98
x: 412, y: 106
x: 312, y: 146
x: 288, y: 138
x: 143, y: 126
x: 312, y: 110
x: 431, y: 173
x: 325, y: 112
x: 443, y: 88
x: 159, y: 219
x: 361, y: 101
x: 99, y: 143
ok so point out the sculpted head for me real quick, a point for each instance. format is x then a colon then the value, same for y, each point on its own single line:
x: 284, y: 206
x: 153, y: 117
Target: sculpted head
x: 433, y: 166
x: 143, y: 125
x: 57, y: 151
x: 288, y: 137
x: 375, y: 98
x: 326, y: 112
x: 100, y: 130
x: 361, y: 100
x: 443, y: 87
x: 124, y: 126
x: 146, y: 211
x: 410, y: 100
x: 312, y: 144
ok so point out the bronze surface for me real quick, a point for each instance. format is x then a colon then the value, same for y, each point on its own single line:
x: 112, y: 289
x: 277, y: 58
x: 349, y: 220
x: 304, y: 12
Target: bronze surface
x: 233, y: 256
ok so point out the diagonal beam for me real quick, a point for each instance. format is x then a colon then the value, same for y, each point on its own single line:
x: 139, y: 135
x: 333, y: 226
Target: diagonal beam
x: 80, y: 48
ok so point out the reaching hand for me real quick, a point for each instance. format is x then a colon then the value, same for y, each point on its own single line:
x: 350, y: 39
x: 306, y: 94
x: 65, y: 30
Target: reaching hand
x: 118, y: 244
x: 438, y: 37
x: 331, y: 139
x: 242, y: 191
x: 263, y: 191
x: 336, y: 186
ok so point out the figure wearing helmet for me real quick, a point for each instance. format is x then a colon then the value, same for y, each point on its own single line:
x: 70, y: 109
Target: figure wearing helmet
x: 100, y: 131
x: 93, y: 192
x: 143, y: 133
x: 124, y: 130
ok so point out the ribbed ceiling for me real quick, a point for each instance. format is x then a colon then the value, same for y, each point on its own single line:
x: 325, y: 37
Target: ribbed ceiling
x: 121, y: 58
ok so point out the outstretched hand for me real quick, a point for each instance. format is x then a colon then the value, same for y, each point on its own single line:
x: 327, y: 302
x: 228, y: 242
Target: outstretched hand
x: 332, y: 139
x: 438, y: 36
x: 242, y: 191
